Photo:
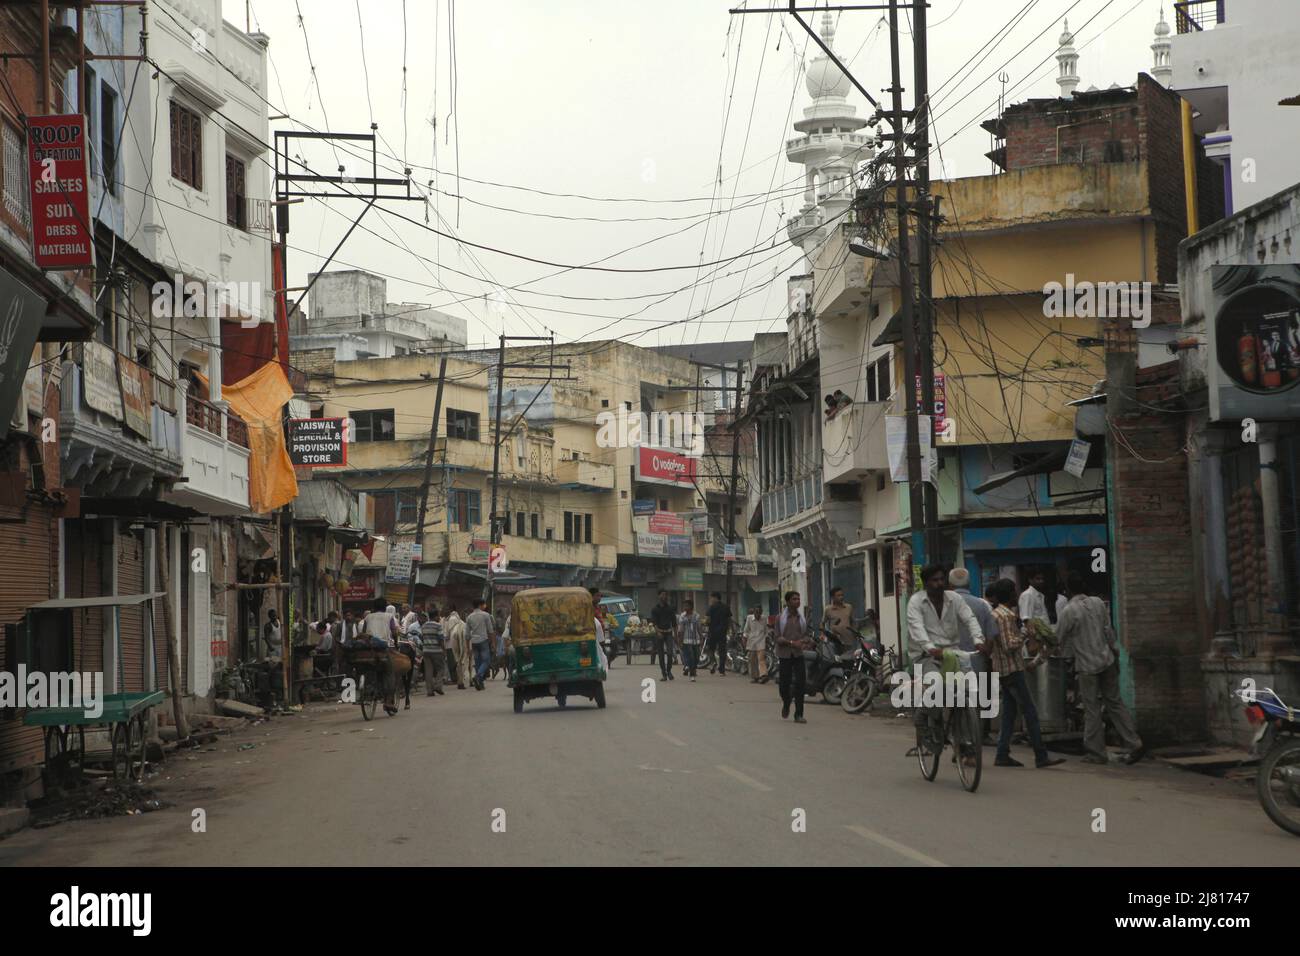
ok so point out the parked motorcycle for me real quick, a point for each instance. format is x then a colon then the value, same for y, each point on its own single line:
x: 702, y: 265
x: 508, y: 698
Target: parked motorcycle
x: 1278, y: 739
x: 826, y: 669
x: 876, y: 666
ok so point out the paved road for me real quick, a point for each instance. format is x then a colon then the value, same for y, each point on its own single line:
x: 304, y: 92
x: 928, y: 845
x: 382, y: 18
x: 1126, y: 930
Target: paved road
x: 706, y: 774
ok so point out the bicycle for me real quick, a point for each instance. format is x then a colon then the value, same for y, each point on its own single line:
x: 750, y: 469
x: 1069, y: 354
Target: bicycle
x: 958, y: 727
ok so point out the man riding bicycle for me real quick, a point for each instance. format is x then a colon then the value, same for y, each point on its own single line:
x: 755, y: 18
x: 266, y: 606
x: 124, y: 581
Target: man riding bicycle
x: 936, y: 621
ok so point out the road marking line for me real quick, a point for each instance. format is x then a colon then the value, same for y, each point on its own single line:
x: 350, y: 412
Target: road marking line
x: 897, y: 847
x: 743, y: 778
x: 670, y: 738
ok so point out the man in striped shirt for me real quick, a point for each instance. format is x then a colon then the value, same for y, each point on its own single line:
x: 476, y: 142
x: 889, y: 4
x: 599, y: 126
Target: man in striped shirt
x: 1003, y: 651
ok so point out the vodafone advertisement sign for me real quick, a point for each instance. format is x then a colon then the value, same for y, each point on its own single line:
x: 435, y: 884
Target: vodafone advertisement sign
x: 664, y: 467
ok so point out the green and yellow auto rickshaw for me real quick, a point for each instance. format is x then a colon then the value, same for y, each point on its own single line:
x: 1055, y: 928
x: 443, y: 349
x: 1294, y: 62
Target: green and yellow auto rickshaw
x: 553, y: 633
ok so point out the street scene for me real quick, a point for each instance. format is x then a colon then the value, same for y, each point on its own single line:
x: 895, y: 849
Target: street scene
x: 606, y: 434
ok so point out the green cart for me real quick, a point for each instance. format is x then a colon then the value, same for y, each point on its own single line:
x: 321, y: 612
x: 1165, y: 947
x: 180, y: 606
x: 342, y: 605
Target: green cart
x: 124, y: 717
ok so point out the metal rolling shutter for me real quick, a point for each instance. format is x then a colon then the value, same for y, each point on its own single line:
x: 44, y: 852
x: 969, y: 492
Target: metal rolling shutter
x: 28, y: 575
x: 130, y: 580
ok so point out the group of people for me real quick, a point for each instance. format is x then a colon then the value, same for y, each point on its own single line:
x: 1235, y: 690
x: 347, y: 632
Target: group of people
x: 682, y: 635
x: 1010, y: 633
x: 447, y: 646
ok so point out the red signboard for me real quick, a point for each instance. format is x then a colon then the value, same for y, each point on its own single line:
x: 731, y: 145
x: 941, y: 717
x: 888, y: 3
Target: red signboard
x: 665, y: 467
x: 665, y: 522
x: 361, y: 587
x: 57, y: 166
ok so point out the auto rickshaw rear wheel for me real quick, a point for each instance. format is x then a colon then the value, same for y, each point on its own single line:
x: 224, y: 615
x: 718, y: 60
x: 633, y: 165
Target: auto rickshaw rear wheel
x: 599, y: 696
x: 519, y: 700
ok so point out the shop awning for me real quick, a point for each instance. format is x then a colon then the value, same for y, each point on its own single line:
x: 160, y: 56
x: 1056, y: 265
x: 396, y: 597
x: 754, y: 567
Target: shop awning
x: 505, y: 577
x: 349, y: 537
x: 108, y: 600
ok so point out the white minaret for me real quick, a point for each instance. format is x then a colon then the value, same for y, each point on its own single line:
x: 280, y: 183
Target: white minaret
x: 1067, y: 77
x: 830, y: 148
x: 1161, y: 69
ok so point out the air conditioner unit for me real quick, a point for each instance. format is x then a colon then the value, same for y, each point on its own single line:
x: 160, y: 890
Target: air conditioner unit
x: 705, y: 536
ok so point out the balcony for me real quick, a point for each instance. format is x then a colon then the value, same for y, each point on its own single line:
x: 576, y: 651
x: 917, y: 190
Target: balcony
x: 853, y: 442
x: 111, y: 447
x: 788, y: 501
x: 584, y: 475
x: 214, y: 449
x: 1193, y: 16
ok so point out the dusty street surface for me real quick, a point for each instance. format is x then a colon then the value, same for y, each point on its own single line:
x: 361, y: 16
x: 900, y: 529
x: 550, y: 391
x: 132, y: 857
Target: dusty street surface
x: 708, y: 774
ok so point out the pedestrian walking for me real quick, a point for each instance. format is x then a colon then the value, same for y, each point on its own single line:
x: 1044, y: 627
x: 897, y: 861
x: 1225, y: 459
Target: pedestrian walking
x: 1004, y: 655
x: 271, y: 636
x: 690, y: 630
x: 791, y: 642
x: 664, y: 619
x: 1085, y: 634
x: 435, y: 652
x: 480, y: 629
x: 756, y: 645
x: 719, y: 629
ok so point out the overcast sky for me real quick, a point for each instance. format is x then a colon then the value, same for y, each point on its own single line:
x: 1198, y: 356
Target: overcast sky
x: 621, y: 100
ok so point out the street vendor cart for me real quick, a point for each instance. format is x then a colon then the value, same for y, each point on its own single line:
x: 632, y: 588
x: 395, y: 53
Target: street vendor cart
x: 43, y: 643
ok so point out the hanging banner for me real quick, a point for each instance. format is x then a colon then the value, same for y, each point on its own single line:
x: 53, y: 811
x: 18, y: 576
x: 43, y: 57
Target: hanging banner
x: 137, y: 395
x: 896, y: 445
x: 1077, y: 460
x: 21, y: 312
x: 317, y: 442
x: 57, y: 168
x: 678, y: 545
x: 99, y: 384
x: 643, y: 506
x: 659, y: 466
x: 403, y: 554
x: 651, y: 544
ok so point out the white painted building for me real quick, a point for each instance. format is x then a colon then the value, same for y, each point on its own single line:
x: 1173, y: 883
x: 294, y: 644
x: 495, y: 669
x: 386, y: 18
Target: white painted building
x: 350, y: 313
x: 1234, y: 62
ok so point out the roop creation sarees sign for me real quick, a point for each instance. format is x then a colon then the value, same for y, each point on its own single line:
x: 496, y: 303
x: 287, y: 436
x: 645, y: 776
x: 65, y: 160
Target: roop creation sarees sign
x: 58, y: 167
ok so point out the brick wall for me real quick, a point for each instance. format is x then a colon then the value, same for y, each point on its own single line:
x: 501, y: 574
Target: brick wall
x: 1153, y: 562
x: 1087, y: 130
x: 314, y: 362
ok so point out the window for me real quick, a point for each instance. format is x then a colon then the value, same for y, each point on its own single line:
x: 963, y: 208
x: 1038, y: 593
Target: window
x: 463, y: 512
x: 519, y: 523
x: 187, y: 145
x: 236, y: 201
x: 663, y: 504
x: 568, y: 526
x: 550, y: 534
x: 887, y: 571
x: 586, y: 535
x: 878, y: 389
x: 373, y: 425
x: 536, y: 521
x: 462, y: 424
x: 406, y: 507
x: 17, y: 200
x: 108, y: 136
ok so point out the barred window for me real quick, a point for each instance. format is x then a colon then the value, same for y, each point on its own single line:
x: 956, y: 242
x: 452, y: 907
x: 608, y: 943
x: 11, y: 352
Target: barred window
x: 17, y: 199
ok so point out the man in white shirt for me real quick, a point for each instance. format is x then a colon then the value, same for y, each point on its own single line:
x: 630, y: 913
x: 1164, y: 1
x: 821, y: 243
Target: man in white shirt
x: 1032, y: 604
x: 936, y: 621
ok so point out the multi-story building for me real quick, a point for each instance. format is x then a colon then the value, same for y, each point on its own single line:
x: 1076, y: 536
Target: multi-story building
x: 350, y: 313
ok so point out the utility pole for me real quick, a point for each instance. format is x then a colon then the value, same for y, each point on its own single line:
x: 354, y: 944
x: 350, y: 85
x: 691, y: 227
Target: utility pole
x: 915, y: 494
x: 428, y: 479
x: 735, y: 478
x: 924, y: 233
x: 494, y: 525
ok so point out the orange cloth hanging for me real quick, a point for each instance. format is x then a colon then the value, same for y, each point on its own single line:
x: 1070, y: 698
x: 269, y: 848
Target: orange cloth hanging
x: 259, y: 399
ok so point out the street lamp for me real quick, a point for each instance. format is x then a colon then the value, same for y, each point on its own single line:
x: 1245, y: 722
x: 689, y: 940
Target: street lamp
x: 862, y: 246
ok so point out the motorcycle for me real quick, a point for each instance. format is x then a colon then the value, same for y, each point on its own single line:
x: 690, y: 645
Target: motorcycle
x: 827, y: 669
x: 1278, y: 739
x: 876, y: 666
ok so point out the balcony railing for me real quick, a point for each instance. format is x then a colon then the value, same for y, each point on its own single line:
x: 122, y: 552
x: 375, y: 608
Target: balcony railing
x: 786, y: 501
x: 1191, y: 16
x: 236, y: 430
x: 203, y: 415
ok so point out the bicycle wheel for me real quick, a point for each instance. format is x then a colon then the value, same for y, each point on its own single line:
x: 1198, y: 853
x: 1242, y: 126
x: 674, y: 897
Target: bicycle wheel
x: 1278, y: 785
x: 966, y: 736
x: 366, y: 696
x: 927, y: 754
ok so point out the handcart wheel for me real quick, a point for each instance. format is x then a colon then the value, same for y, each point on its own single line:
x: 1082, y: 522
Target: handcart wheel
x: 137, y: 748
x: 121, y: 750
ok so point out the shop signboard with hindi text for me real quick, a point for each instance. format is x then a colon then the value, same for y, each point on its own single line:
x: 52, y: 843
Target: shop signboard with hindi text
x: 137, y: 395
x: 99, y: 383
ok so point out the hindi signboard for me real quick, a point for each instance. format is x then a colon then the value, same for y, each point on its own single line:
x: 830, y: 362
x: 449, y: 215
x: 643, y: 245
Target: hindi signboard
x: 137, y: 395
x: 403, y: 554
x: 57, y: 167
x: 99, y: 384
x: 665, y: 522
x: 679, y: 545
x: 317, y: 442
